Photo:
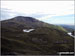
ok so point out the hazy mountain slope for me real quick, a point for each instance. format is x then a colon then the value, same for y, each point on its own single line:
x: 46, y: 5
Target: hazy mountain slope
x: 69, y: 28
x: 44, y: 40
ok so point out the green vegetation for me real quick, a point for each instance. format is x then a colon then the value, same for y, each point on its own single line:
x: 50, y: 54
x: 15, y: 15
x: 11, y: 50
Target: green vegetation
x: 46, y: 39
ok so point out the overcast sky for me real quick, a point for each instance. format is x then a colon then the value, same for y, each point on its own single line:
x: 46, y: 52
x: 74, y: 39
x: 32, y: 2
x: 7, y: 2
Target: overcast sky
x: 55, y: 12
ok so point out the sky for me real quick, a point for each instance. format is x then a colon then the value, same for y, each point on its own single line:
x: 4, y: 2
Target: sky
x: 54, y: 12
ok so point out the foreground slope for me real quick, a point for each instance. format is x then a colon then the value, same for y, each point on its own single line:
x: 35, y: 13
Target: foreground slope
x: 45, y: 39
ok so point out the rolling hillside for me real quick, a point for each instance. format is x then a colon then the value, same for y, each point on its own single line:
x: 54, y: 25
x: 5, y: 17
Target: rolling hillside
x: 45, y: 39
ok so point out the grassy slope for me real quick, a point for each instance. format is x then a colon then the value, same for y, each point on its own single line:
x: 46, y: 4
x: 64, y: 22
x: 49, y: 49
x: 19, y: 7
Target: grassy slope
x: 41, y: 41
x: 45, y: 39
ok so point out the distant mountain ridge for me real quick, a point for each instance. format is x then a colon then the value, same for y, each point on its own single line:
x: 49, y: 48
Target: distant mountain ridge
x: 69, y: 28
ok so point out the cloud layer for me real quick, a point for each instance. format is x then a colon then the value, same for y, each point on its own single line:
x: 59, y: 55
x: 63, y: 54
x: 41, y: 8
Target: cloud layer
x: 43, y: 10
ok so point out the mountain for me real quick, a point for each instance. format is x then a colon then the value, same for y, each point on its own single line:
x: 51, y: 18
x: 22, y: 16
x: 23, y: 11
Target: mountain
x: 69, y: 28
x: 28, y: 22
x: 45, y: 39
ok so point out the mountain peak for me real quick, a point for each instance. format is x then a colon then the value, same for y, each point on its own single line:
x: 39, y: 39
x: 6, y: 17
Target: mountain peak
x: 29, y: 22
x: 23, y: 18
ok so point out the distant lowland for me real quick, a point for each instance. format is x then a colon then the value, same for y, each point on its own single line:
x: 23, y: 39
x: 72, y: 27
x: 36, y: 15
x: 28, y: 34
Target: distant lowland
x: 69, y: 28
x: 28, y: 36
